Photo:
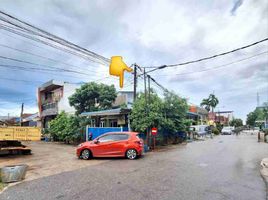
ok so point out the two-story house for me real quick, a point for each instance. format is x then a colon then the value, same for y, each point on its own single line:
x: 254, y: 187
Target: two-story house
x: 52, y: 98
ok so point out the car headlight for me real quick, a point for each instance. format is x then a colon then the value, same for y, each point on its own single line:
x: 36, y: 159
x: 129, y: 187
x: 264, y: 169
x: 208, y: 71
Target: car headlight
x: 80, y: 145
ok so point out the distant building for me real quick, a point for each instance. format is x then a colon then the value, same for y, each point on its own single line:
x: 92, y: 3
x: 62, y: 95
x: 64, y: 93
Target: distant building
x: 198, y: 114
x: 32, y: 120
x: 52, y: 98
x: 222, y: 117
x: 10, y: 120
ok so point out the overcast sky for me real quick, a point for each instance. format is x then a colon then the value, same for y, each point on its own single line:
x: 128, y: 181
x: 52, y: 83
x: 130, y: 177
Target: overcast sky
x: 149, y: 33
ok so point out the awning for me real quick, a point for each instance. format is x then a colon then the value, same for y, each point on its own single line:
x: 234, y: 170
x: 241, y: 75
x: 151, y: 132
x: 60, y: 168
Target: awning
x: 192, y: 114
x: 117, y: 111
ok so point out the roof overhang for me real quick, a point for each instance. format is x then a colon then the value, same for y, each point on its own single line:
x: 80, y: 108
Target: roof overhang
x: 117, y: 111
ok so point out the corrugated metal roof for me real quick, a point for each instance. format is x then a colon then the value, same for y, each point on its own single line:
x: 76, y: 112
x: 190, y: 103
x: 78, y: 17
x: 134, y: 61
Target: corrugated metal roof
x: 116, y: 111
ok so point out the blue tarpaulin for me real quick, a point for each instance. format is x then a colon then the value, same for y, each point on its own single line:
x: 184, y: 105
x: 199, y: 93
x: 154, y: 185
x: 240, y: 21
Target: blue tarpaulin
x: 97, y: 131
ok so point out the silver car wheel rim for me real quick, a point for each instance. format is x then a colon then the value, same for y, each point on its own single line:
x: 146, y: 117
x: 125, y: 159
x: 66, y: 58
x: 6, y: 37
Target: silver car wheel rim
x: 85, y: 154
x: 131, y: 154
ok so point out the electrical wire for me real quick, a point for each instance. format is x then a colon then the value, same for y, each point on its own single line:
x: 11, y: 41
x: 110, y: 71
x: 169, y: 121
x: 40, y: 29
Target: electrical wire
x: 44, y: 34
x: 56, y: 68
x: 220, y: 66
x: 205, y: 58
x: 40, y: 56
x: 52, y: 45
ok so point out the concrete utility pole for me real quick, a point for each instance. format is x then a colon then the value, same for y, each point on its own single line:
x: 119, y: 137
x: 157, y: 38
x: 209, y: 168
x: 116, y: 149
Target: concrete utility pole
x: 146, y: 105
x: 21, y: 113
x: 135, y: 82
x: 149, y: 102
x: 149, y: 89
x: 145, y: 89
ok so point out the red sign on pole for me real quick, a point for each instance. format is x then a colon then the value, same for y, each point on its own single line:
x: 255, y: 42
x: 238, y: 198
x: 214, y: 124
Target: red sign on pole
x: 154, y: 131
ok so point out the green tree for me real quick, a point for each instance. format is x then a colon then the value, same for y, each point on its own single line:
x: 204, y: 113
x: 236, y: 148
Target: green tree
x: 210, y: 103
x: 265, y: 112
x: 143, y: 117
x: 92, y: 97
x: 251, y: 118
x: 236, y: 122
x: 168, y: 114
x: 175, y: 109
x: 260, y: 113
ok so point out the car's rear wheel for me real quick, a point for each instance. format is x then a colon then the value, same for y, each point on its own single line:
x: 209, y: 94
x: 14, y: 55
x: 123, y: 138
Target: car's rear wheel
x: 85, y: 154
x: 131, y: 154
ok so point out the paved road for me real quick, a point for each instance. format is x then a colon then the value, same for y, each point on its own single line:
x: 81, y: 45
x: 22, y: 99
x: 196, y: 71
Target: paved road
x: 226, y: 167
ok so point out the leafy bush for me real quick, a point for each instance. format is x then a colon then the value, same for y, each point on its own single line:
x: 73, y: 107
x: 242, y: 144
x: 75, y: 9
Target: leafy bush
x: 215, y: 131
x: 68, y: 129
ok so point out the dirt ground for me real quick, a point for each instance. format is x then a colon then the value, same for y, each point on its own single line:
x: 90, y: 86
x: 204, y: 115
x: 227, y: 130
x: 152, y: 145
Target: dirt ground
x: 48, y: 159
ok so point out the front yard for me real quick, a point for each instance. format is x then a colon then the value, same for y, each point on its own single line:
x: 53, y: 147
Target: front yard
x: 47, y: 159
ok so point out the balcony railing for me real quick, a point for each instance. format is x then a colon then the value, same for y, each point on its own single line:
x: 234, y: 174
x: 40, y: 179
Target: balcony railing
x: 49, y: 109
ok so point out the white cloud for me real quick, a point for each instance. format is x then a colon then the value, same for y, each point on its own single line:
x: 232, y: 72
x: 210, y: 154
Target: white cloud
x: 155, y: 32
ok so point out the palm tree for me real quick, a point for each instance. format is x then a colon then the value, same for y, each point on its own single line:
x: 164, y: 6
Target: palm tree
x: 210, y: 103
x: 213, y: 101
x: 206, y: 103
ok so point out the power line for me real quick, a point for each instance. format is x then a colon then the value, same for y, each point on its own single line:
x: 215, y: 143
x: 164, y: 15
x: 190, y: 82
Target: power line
x: 40, y: 47
x: 26, y: 81
x: 44, y: 34
x: 40, y: 56
x: 220, y: 66
x: 206, y: 58
x: 56, y: 68
x: 10, y: 29
x: 37, y: 70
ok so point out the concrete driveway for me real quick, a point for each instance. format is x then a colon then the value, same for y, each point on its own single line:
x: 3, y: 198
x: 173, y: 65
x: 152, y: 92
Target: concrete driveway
x: 47, y: 159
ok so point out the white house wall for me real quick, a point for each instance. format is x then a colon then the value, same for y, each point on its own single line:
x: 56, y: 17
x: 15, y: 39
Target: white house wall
x: 63, y: 104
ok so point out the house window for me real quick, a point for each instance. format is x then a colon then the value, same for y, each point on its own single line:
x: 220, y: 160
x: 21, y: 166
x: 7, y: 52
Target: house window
x: 93, y: 123
x: 102, y: 124
x: 113, y: 123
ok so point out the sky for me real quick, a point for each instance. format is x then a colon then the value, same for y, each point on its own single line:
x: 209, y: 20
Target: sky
x: 149, y: 33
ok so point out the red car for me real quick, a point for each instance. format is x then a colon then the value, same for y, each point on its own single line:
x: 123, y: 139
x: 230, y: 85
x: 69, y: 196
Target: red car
x: 122, y: 144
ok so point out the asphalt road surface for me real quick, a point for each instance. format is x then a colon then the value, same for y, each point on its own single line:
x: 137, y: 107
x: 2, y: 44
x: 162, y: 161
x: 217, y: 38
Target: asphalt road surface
x: 226, y: 167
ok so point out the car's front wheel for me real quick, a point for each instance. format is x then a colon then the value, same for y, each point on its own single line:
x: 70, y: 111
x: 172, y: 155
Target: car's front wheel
x: 131, y: 154
x: 85, y: 154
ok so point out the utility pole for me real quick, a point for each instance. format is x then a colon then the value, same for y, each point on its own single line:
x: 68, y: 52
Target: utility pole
x: 149, y: 102
x: 145, y: 89
x: 135, y: 82
x: 21, y: 113
x: 146, y: 106
x: 149, y: 90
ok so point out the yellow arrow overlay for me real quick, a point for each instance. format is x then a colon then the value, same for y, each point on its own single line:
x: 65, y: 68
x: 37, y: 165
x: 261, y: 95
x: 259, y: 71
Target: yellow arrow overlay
x: 117, y: 68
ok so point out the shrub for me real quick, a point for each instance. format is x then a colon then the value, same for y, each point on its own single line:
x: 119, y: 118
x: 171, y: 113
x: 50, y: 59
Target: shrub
x: 68, y: 129
x: 215, y: 131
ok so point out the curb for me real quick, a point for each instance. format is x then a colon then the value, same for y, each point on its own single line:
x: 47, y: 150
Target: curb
x: 264, y: 173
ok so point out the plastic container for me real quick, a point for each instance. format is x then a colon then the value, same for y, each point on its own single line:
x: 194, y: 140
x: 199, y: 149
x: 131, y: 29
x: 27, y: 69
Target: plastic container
x: 13, y: 173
